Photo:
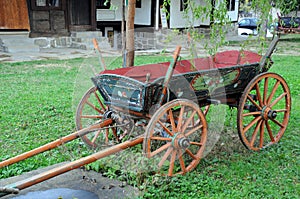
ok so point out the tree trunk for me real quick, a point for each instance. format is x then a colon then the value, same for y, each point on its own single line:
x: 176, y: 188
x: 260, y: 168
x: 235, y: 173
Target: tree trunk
x: 130, y: 33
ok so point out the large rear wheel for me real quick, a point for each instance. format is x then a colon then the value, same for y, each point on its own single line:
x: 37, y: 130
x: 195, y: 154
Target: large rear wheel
x: 264, y: 111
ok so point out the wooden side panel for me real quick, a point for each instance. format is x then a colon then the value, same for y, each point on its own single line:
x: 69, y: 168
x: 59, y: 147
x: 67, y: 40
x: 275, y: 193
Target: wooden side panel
x: 14, y: 14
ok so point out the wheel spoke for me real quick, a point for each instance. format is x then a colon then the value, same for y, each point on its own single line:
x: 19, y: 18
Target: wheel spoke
x: 258, y: 95
x: 252, y: 113
x: 197, y: 143
x: 94, y: 107
x: 95, y: 136
x: 174, y: 129
x: 106, y: 135
x: 205, y: 110
x: 252, y: 123
x: 253, y: 102
x: 190, y: 132
x: 164, y: 158
x: 92, y: 116
x: 281, y: 110
x: 278, y: 99
x: 266, y: 90
x: 261, y: 138
x: 165, y: 128
x: 172, y: 162
x: 278, y: 123
x: 180, y: 118
x: 182, y: 165
x: 191, y: 117
x: 191, y: 154
x: 254, y: 135
x: 99, y: 101
x: 161, y: 138
x: 160, y: 149
x: 114, y: 131
x: 270, y: 131
x: 273, y: 91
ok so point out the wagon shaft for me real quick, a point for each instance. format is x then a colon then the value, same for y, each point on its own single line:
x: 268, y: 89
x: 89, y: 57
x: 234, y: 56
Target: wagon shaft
x: 13, y: 188
x: 54, y: 144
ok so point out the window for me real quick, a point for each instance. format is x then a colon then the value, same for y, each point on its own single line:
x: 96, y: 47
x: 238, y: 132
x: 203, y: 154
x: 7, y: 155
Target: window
x: 183, y: 5
x: 46, y: 4
x: 40, y: 2
x: 245, y: 22
x: 103, y: 4
x: 230, y: 5
x: 138, y: 4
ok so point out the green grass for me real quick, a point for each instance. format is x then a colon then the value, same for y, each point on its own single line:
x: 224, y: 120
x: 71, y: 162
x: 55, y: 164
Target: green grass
x: 37, y: 106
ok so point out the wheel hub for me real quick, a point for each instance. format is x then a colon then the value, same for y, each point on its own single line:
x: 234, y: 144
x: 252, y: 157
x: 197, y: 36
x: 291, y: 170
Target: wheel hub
x: 268, y: 113
x: 179, y: 141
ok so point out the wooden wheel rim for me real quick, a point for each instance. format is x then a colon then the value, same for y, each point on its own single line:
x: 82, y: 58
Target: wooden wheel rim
x: 179, y: 141
x: 264, y: 102
x: 100, y: 138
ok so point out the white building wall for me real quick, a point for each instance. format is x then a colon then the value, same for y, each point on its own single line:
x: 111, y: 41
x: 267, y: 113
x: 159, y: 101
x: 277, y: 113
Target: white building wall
x: 143, y: 14
x: 181, y: 19
x: 178, y: 19
x: 233, y: 15
x: 114, y: 14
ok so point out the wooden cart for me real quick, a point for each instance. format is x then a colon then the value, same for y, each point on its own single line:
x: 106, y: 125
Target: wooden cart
x: 169, y: 101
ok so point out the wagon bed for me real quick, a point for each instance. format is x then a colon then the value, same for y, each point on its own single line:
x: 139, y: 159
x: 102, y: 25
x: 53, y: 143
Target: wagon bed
x: 202, y: 79
x: 221, y: 60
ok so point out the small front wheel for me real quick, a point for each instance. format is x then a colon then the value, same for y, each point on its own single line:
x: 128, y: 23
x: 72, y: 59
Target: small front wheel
x: 264, y: 111
x: 173, y: 139
x: 91, y: 110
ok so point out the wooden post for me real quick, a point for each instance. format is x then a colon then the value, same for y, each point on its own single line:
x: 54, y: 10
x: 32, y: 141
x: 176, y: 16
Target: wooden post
x: 130, y: 33
x: 123, y: 34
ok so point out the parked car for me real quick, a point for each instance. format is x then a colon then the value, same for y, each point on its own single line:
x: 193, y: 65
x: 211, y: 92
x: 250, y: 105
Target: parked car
x: 247, y: 26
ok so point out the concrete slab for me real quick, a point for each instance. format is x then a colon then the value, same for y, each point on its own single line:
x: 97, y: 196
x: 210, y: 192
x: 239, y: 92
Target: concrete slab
x: 88, y: 183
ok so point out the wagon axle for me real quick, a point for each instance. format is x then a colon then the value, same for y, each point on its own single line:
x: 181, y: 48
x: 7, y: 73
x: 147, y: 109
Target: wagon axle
x: 268, y: 113
x: 182, y: 142
x: 250, y: 107
x: 178, y: 141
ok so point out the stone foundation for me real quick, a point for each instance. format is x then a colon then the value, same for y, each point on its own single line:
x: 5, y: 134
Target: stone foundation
x: 78, y: 40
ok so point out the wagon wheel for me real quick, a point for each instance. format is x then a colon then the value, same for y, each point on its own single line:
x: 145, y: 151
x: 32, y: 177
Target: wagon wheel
x: 174, y: 139
x: 263, y: 111
x: 91, y: 110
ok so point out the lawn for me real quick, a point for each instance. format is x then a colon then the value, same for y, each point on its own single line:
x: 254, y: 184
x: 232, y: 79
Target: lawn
x: 38, y: 101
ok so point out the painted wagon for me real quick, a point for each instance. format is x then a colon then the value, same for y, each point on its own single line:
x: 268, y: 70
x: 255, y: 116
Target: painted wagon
x: 169, y: 102
x: 287, y: 25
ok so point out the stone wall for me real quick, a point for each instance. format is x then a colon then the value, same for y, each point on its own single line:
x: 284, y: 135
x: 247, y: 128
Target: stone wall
x: 78, y: 40
x: 48, y: 23
x: 164, y: 38
x: 143, y: 41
